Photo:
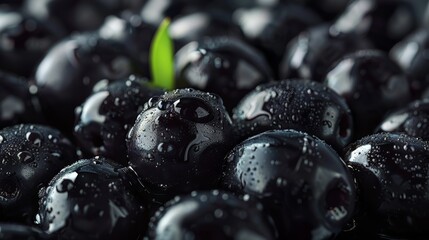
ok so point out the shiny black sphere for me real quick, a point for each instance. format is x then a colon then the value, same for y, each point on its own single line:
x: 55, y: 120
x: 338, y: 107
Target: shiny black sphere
x: 90, y: 200
x: 30, y: 156
x: 225, y: 66
x: 372, y: 85
x: 384, y: 22
x: 392, y: 175
x: 178, y: 142
x: 67, y: 74
x: 295, y: 104
x: 311, y: 53
x: 411, y: 120
x: 301, y: 181
x: 104, y: 119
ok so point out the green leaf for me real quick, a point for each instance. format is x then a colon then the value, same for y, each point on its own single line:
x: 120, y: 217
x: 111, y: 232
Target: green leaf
x: 161, y: 57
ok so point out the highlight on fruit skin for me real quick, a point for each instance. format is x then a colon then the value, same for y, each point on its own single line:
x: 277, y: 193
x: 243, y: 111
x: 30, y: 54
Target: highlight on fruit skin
x: 298, y: 104
x: 391, y: 172
x: 178, y: 142
x: 31, y: 155
x: 90, y: 200
x: 293, y: 175
x: 167, y: 119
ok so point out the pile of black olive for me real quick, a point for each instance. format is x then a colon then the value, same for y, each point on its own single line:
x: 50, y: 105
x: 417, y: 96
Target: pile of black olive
x: 288, y: 119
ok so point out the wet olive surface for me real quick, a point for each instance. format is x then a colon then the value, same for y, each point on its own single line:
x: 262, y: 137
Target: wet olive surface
x: 304, y: 184
x: 384, y: 23
x: 90, y: 149
x: 372, y: 86
x: 67, y: 74
x: 312, y: 52
x: 31, y: 155
x: 295, y: 104
x: 391, y: 173
x: 178, y: 141
x: 104, y: 119
x: 90, y: 200
x: 225, y: 66
x: 411, y: 120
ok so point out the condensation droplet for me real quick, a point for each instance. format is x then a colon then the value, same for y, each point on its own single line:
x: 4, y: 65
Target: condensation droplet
x: 25, y: 157
x: 35, y: 138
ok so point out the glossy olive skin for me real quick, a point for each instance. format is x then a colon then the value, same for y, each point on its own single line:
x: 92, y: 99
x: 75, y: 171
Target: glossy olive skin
x: 295, y: 104
x: 210, y: 215
x: 311, y: 53
x: 199, y: 24
x: 372, y: 85
x: 24, y: 41
x: 410, y: 54
x: 270, y: 29
x: 67, y: 74
x: 222, y: 65
x: 301, y: 181
x: 90, y: 200
x: 18, y: 103
x: 384, y: 22
x: 178, y: 142
x: 103, y: 120
x: 392, y: 175
x: 9, y: 231
x: 411, y: 120
x: 31, y: 155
